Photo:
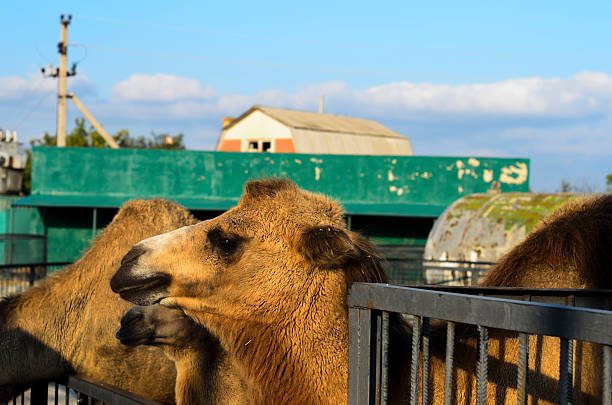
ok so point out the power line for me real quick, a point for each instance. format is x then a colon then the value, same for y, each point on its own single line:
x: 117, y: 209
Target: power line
x: 34, y: 108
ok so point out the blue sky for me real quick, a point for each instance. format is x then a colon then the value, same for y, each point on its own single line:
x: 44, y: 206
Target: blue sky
x: 520, y: 79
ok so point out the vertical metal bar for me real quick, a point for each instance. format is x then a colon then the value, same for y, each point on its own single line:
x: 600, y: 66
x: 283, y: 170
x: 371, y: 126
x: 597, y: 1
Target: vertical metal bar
x: 523, y: 369
x: 448, y: 371
x: 56, y: 396
x: 425, y: 391
x: 67, y: 399
x: 38, y: 393
x: 483, y: 358
x: 376, y: 356
x: 607, y: 375
x: 570, y: 372
x: 384, y: 377
x: 571, y: 301
x: 31, y: 275
x: 94, y: 223
x: 9, y: 241
x: 82, y: 399
x: 45, y: 251
x: 354, y: 356
x: 414, y: 371
x: 365, y: 344
x: 563, y: 372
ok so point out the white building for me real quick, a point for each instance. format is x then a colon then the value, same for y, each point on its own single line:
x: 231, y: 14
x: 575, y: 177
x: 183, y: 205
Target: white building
x: 263, y: 129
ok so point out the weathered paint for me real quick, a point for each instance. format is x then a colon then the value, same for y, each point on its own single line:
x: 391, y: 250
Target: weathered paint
x: 483, y: 227
x: 514, y: 174
x: 396, y: 211
x: 214, y: 180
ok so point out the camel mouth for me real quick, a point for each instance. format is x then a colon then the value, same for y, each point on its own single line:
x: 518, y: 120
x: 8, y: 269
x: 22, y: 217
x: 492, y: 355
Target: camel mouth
x: 144, y: 292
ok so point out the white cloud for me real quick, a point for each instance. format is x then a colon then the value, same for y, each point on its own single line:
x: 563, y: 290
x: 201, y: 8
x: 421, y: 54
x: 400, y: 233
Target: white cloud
x: 18, y: 88
x: 582, y: 95
x: 160, y: 88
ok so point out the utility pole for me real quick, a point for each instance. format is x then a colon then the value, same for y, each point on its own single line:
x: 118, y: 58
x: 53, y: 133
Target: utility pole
x: 62, y: 48
x: 62, y: 74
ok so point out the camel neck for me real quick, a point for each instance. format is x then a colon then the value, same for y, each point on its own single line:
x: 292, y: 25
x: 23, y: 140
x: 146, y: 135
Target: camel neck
x: 29, y: 330
x: 277, y: 361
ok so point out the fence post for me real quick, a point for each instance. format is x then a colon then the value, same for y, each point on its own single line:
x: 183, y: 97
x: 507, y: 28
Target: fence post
x: 32, y: 274
x: 38, y: 393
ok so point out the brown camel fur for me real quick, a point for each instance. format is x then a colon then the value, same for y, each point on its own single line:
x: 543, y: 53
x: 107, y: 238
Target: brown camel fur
x: 65, y: 324
x: 570, y: 248
x: 576, y: 237
x: 269, y: 279
x: 205, y: 373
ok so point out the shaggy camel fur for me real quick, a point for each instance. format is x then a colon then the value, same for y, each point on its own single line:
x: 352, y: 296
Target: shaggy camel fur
x: 570, y: 248
x: 205, y: 373
x: 65, y: 324
x: 269, y: 278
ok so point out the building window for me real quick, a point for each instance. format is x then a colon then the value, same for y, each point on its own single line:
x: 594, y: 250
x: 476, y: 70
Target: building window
x: 259, y: 146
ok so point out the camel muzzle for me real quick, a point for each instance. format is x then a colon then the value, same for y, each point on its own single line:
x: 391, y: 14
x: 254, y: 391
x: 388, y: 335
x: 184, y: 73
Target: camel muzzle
x: 133, y: 283
x: 133, y: 330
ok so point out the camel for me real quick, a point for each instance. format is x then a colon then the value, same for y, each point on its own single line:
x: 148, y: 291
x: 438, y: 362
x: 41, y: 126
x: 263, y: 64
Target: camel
x: 560, y: 241
x: 65, y: 323
x: 205, y: 373
x: 268, y: 278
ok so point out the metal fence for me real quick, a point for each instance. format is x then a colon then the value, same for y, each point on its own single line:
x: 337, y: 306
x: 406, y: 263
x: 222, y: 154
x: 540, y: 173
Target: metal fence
x: 15, y: 278
x: 78, y: 390
x: 406, y: 265
x: 370, y: 305
x: 18, y: 248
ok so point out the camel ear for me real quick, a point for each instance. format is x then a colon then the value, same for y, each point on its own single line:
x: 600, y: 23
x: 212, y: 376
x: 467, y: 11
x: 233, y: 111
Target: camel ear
x: 327, y: 246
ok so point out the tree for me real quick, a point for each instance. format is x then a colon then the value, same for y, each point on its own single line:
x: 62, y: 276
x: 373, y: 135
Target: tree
x: 609, y: 183
x: 80, y: 136
x: 584, y: 187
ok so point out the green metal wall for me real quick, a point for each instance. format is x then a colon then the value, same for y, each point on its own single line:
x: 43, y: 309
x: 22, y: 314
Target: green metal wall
x: 410, y: 191
x: 377, y: 185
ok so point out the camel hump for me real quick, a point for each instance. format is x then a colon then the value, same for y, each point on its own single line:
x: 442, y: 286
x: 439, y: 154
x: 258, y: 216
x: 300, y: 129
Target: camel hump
x: 156, y: 209
x: 267, y: 187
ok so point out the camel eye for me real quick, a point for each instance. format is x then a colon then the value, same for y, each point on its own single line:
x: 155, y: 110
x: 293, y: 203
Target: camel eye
x: 224, y: 244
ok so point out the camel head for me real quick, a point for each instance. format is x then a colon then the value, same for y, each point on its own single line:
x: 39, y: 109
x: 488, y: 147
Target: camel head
x: 268, y: 274
x: 265, y: 252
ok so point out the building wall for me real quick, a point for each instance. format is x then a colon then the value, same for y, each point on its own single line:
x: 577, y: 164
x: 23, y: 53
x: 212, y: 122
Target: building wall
x: 383, y: 185
x: 318, y: 142
x: 391, y: 199
x: 257, y: 126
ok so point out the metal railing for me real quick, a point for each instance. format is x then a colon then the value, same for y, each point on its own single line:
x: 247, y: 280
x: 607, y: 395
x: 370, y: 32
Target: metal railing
x: 78, y: 390
x: 15, y: 278
x: 454, y: 272
x: 406, y: 265
x: 370, y: 305
x: 20, y: 248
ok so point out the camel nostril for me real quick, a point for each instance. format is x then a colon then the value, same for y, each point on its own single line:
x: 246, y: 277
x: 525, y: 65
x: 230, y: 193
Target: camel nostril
x: 133, y: 255
x: 131, y: 317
